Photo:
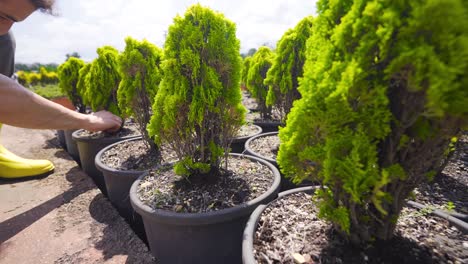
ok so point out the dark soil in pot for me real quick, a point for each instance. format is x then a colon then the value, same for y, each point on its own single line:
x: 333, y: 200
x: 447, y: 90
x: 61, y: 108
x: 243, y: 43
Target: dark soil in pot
x: 198, y: 220
x: 129, y: 155
x: 245, y: 132
x: 289, y: 231
x: 122, y: 163
x: 90, y: 143
x: 130, y: 129
x: 266, y: 146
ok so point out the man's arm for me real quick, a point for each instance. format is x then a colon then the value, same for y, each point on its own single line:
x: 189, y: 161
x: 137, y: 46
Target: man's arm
x: 22, y: 108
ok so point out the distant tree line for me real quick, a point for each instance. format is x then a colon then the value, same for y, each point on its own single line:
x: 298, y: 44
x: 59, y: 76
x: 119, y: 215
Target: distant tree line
x: 35, y: 67
x: 50, y: 67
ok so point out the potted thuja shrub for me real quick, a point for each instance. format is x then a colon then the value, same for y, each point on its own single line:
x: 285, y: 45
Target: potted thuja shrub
x: 382, y: 95
x: 247, y: 100
x: 123, y: 162
x: 101, y: 83
x: 69, y: 75
x: 194, y: 210
x: 267, y: 117
x: 283, y: 77
x: 283, y: 81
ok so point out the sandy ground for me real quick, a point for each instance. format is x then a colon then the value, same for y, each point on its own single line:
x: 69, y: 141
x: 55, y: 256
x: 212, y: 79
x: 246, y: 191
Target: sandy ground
x: 62, y: 218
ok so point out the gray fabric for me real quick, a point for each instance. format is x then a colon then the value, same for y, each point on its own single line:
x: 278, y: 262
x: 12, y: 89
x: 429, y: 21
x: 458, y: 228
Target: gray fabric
x: 7, y: 54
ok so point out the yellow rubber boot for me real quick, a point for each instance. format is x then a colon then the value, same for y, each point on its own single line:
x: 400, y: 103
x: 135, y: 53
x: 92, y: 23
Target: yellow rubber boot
x: 14, y: 167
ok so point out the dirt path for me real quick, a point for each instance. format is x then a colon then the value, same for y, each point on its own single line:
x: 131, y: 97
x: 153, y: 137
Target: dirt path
x: 63, y: 218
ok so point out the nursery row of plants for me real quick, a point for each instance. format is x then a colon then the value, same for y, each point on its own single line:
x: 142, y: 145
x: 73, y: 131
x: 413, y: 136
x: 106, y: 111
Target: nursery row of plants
x: 368, y: 95
x: 42, y: 77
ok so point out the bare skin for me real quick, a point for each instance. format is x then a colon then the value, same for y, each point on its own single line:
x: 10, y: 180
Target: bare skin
x: 12, y: 11
x: 23, y: 108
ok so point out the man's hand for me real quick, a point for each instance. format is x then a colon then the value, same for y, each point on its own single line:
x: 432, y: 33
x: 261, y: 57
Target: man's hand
x: 103, y: 121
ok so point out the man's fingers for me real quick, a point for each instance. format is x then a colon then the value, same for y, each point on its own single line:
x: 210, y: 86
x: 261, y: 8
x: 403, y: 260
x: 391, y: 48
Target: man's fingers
x: 106, y: 121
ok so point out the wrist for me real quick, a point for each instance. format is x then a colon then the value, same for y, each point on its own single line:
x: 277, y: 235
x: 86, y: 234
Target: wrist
x: 84, y: 121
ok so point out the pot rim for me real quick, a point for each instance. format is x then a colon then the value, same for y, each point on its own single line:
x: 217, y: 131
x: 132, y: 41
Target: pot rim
x: 251, y: 225
x: 104, y: 168
x: 192, y: 219
x: 240, y: 139
x: 251, y: 152
x: 102, y: 139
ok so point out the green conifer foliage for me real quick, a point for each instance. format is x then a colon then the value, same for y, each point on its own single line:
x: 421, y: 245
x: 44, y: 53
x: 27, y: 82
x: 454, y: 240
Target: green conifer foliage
x: 259, y: 66
x: 383, y: 93
x: 245, y: 70
x: 140, y: 70
x: 198, y: 106
x: 69, y: 73
x: 102, y: 81
x: 82, y: 82
x: 48, y: 77
x: 283, y: 76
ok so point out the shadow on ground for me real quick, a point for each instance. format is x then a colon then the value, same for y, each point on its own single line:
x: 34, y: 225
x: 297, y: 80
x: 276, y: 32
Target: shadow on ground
x: 116, y: 238
x: 16, y: 224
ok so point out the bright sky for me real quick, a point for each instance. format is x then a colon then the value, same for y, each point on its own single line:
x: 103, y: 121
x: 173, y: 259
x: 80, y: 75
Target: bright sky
x: 85, y: 25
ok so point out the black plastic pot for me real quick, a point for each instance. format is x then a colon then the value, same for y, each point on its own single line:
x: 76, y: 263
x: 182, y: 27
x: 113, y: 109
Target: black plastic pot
x: 286, y: 184
x: 251, y: 226
x: 88, y: 147
x: 249, y: 151
x: 118, y: 184
x: 61, y: 139
x: 238, y: 143
x: 72, y: 148
x: 268, y: 126
x: 213, y: 237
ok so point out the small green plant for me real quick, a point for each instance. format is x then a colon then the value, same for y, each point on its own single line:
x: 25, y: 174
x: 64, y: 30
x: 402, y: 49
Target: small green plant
x: 69, y: 73
x: 102, y: 81
x: 449, y: 206
x: 283, y: 76
x: 139, y: 67
x: 198, y: 108
x: 383, y: 93
x: 428, y: 210
x: 259, y: 66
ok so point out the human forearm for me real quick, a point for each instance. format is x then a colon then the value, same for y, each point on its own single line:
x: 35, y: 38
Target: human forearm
x: 21, y: 107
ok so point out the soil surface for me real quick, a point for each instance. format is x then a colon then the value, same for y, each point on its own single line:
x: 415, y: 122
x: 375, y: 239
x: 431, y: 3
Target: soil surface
x: 248, y: 130
x: 130, y: 128
x: 289, y: 231
x: 135, y: 155
x: 248, y: 101
x: 267, y: 146
x: 62, y: 218
x: 451, y: 186
x: 252, y: 106
x: 420, y: 237
x: 243, y: 181
x: 253, y: 116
